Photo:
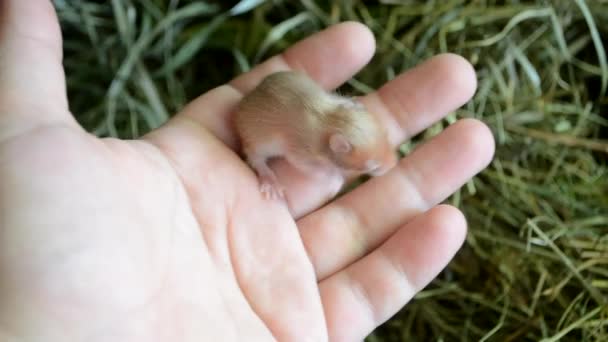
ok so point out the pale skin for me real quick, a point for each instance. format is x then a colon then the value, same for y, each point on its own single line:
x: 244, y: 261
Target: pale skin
x: 167, y: 238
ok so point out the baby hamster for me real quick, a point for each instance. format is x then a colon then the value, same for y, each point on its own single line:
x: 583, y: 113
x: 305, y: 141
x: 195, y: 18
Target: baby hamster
x: 288, y: 115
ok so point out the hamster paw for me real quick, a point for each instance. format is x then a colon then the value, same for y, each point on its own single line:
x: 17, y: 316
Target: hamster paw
x: 271, y: 190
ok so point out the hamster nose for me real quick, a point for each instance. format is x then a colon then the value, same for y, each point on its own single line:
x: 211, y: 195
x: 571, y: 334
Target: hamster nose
x: 379, y: 171
x: 382, y: 168
x: 371, y: 165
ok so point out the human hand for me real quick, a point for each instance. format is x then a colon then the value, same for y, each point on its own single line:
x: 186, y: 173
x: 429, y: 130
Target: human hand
x: 167, y: 238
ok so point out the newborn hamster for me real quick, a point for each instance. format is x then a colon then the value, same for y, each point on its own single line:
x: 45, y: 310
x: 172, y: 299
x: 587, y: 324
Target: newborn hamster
x: 288, y: 115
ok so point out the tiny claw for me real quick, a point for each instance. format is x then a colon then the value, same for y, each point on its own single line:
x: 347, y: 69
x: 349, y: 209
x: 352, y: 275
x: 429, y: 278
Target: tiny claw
x: 270, y: 190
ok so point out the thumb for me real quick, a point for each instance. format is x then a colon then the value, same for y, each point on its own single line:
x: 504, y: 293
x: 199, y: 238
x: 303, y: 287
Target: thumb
x: 32, y: 80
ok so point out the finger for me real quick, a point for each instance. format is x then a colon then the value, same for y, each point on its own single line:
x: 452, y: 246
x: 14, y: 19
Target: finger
x: 406, y: 105
x: 32, y: 83
x: 365, y: 217
x: 420, y: 97
x: 329, y: 57
x: 367, y: 293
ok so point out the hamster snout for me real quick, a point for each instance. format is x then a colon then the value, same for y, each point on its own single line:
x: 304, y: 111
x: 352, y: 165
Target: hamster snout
x: 372, y: 165
x: 376, y: 168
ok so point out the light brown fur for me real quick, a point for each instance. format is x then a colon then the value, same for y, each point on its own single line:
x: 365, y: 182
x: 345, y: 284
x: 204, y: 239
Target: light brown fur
x: 288, y: 115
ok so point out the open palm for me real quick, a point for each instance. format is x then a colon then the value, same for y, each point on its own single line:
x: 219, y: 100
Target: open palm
x: 168, y: 238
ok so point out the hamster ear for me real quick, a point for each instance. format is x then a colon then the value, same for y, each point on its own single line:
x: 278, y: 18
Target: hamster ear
x: 339, y: 144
